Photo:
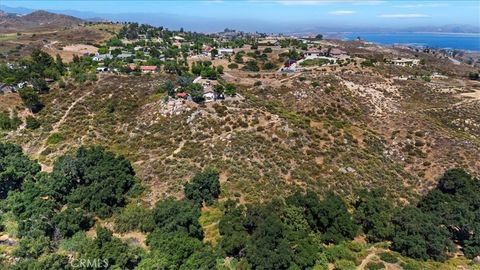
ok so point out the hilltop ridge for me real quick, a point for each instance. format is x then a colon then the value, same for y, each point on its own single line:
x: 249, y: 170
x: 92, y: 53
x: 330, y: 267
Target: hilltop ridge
x: 36, y: 20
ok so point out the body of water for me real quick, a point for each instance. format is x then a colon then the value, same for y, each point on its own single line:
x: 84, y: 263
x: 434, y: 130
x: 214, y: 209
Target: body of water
x: 470, y: 42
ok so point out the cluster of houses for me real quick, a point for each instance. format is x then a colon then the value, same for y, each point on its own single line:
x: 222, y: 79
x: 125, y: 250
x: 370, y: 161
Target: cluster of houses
x: 230, y: 34
x: 132, y: 67
x: 330, y: 54
x: 221, y: 52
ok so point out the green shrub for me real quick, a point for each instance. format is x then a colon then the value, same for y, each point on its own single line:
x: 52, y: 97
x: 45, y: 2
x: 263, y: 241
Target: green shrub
x: 54, y: 138
x: 410, y: 266
x: 269, y: 66
x: 355, y: 246
x: 374, y: 266
x: 204, y: 187
x: 339, y: 252
x: 344, y: 265
x: 419, y: 143
x: 388, y: 257
x: 251, y: 65
x: 32, y: 122
x: 233, y: 66
x: 368, y: 63
x: 7, y: 123
x: 62, y: 84
x: 135, y: 217
x: 473, y: 75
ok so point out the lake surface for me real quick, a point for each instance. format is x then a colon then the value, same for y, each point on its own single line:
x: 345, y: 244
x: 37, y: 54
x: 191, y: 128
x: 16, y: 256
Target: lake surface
x: 469, y: 42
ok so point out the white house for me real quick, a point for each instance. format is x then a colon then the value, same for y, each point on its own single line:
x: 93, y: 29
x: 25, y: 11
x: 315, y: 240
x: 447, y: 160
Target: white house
x: 102, y: 57
x: 178, y: 38
x: 437, y: 75
x: 405, y: 62
x: 208, y: 94
x: 225, y: 51
x: 124, y: 56
x: 102, y: 69
x: 22, y: 84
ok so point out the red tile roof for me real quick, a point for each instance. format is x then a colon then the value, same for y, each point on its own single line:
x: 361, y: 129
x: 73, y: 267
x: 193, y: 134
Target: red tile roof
x: 148, y: 68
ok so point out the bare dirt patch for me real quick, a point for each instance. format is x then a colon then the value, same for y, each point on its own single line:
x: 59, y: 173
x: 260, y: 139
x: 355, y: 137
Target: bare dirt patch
x: 68, y: 51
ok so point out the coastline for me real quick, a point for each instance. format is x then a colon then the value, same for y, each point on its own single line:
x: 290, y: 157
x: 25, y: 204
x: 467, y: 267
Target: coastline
x: 437, y: 40
x: 400, y: 32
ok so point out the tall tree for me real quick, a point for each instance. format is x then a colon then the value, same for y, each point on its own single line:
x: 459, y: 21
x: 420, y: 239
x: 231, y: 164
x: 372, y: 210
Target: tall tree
x: 31, y: 99
x: 15, y: 167
x: 204, y: 187
x: 373, y: 212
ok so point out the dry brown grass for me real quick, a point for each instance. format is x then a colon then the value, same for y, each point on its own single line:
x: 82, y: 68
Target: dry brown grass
x: 10, y: 101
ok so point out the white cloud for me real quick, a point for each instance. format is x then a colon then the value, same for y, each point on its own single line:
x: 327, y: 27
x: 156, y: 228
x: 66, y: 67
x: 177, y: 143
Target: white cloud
x: 422, y: 5
x: 342, y: 12
x: 403, y: 16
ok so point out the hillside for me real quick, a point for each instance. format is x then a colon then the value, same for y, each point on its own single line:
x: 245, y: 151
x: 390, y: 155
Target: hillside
x: 159, y: 149
x: 36, y: 21
x: 327, y: 128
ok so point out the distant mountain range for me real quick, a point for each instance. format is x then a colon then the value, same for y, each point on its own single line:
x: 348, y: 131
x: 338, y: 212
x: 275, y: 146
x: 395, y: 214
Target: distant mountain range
x: 35, y: 20
x: 201, y: 24
x: 451, y: 28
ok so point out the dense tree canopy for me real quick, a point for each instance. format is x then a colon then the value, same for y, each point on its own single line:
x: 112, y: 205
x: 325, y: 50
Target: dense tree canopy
x: 15, y: 167
x: 374, y: 213
x: 54, y: 210
x: 330, y: 217
x: 447, y: 214
x: 93, y: 182
x: 103, y: 179
x: 417, y: 235
x: 173, y: 216
x: 204, y: 187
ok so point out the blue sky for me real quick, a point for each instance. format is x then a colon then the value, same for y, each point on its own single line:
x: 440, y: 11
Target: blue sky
x: 301, y: 13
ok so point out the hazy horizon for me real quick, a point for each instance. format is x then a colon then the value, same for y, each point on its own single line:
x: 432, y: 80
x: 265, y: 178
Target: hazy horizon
x: 269, y: 16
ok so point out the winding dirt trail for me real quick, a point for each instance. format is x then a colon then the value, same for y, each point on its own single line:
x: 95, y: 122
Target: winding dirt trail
x: 367, y: 259
x: 57, y: 125
x: 474, y: 95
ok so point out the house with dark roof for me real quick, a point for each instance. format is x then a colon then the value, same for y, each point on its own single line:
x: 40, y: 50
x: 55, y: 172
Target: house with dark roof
x: 5, y: 88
